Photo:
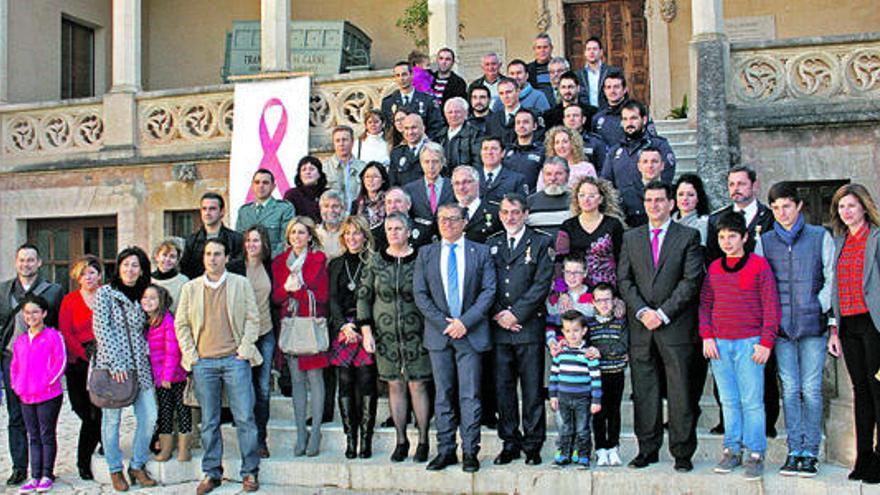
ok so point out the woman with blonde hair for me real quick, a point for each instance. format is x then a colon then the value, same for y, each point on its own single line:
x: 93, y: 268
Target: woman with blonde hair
x: 300, y: 274
x: 856, y: 224
x: 565, y: 143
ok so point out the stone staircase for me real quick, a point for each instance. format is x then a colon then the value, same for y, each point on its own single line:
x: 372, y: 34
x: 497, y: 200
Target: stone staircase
x: 684, y: 143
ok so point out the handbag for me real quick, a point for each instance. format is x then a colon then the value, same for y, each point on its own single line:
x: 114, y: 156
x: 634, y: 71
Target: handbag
x: 104, y: 391
x: 303, y: 335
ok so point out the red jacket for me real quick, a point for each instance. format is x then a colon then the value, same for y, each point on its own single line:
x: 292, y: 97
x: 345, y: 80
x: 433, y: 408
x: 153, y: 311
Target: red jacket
x: 75, y: 324
x: 315, y: 279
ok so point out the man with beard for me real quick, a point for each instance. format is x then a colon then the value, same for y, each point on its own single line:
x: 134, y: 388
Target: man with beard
x: 592, y: 76
x: 460, y: 139
x: 447, y: 84
x: 526, y: 155
x: 574, y: 118
x: 528, y: 96
x: 620, y: 165
x: 607, y: 121
x: 569, y: 90
x: 479, y: 98
x: 491, y: 67
x: 407, y: 98
x: 552, y: 206
x: 404, y: 167
x: 539, y: 69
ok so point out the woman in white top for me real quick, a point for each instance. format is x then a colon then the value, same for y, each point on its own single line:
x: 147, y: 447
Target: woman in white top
x: 691, y: 204
x: 371, y: 146
x: 565, y: 143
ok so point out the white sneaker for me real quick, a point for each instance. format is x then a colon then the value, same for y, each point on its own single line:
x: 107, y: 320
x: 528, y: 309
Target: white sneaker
x: 601, y: 457
x: 613, y: 457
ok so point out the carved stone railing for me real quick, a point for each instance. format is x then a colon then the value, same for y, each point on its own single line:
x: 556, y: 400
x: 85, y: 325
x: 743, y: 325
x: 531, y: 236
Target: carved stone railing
x: 827, y: 69
x: 51, y: 129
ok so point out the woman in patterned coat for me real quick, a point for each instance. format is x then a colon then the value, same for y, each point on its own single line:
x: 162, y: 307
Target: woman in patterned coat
x: 386, y: 309
x: 117, y: 320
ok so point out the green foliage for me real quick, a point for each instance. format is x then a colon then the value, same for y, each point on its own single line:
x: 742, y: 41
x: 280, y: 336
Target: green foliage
x: 680, y: 112
x: 414, y: 21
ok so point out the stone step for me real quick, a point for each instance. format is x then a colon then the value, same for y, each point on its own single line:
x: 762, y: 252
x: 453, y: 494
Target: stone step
x: 669, y: 125
x: 282, y: 437
x: 330, y: 470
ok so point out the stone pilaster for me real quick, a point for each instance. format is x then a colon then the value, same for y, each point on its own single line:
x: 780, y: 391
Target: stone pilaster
x: 120, y: 105
x: 274, y: 35
x: 658, y: 50
x: 442, y: 25
x: 4, y: 51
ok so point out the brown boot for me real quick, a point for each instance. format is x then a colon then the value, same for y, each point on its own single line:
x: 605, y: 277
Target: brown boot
x: 119, y: 483
x: 141, y: 477
x: 183, y: 452
x: 166, y: 445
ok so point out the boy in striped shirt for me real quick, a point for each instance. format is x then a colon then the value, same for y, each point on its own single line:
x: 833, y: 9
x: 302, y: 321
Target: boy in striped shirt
x: 575, y: 392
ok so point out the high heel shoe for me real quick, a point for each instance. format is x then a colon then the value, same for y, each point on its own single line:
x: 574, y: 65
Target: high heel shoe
x: 421, y: 454
x: 400, y: 452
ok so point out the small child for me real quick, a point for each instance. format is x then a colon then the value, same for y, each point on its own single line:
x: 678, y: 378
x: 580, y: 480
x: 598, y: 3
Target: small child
x: 575, y: 392
x: 422, y: 78
x: 739, y: 318
x: 609, y: 334
x: 571, y: 294
x: 169, y: 376
x: 38, y: 362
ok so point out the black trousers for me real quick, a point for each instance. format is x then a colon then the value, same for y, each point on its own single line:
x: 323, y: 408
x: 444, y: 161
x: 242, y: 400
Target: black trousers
x: 606, y: 423
x: 646, y: 362
x: 860, y: 343
x: 18, y: 440
x: 521, y: 364
x: 41, y: 421
x: 90, y: 416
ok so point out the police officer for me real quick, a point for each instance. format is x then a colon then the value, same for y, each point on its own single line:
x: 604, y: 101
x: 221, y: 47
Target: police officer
x: 482, y: 217
x: 265, y: 210
x: 620, y: 165
x: 424, y: 231
x: 632, y: 195
x: 524, y: 271
x: 526, y: 154
x: 406, y: 97
x: 405, y: 166
x: 606, y: 122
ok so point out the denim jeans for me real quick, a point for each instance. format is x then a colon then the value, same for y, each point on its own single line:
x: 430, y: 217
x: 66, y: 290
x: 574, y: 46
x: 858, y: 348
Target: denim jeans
x: 741, y: 387
x: 145, y: 412
x: 573, y: 423
x: 262, y: 383
x: 211, y: 376
x: 800, y: 369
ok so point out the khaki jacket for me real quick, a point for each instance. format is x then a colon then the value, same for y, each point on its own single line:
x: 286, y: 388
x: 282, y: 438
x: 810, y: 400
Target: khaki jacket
x: 243, y: 316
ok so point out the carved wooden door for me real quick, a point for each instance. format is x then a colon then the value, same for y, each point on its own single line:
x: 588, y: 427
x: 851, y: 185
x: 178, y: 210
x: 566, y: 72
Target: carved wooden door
x: 621, y: 26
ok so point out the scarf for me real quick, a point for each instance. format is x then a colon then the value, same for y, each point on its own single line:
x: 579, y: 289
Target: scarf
x: 740, y: 263
x: 158, y: 275
x: 789, y: 236
x: 295, y: 263
x: 215, y: 285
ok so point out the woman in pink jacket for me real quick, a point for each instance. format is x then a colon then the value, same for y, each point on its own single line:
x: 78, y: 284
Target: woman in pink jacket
x: 38, y: 362
x: 168, y: 375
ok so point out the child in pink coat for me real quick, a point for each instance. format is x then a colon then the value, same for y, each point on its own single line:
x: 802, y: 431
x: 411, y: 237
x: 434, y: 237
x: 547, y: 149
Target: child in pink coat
x: 38, y: 362
x: 168, y: 375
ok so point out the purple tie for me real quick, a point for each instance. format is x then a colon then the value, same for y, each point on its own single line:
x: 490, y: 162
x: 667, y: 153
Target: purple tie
x: 433, y: 198
x: 655, y: 245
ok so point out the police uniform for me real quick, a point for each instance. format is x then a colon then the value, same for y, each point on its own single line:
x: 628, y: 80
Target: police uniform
x: 420, y: 103
x: 482, y: 223
x: 606, y: 123
x: 423, y: 232
x: 632, y: 201
x: 504, y: 181
x: 523, y: 276
x: 594, y: 149
x: 527, y: 159
x: 404, y: 166
x: 621, y: 162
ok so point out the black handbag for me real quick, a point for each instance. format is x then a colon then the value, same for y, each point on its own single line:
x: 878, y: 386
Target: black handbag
x: 107, y: 393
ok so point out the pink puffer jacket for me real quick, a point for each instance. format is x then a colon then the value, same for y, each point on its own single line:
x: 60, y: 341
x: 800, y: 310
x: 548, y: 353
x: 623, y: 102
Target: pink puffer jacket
x: 165, y: 352
x: 37, y: 366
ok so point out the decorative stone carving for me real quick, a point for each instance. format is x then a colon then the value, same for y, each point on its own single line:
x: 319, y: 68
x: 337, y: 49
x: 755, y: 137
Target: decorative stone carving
x: 760, y: 78
x: 544, y: 20
x: 813, y: 74
x: 668, y: 10
x: 186, y: 119
x: 862, y: 71
x: 54, y: 130
x: 185, y: 172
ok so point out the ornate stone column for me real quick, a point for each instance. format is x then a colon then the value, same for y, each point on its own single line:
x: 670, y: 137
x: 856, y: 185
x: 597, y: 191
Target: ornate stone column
x: 659, y: 13
x: 275, y: 35
x: 709, y: 53
x: 120, y: 107
x: 4, y: 54
x: 442, y: 25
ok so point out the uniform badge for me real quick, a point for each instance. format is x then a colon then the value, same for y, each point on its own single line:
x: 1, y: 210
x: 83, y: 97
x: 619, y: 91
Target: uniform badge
x: 402, y: 161
x: 600, y: 122
x: 551, y: 252
x: 670, y: 158
x: 535, y: 158
x: 494, y: 250
x: 488, y: 219
x: 393, y: 108
x: 416, y: 233
x: 528, y: 254
x: 421, y: 108
x: 618, y: 153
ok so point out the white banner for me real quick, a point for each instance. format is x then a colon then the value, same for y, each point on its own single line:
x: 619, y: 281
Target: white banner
x: 271, y: 131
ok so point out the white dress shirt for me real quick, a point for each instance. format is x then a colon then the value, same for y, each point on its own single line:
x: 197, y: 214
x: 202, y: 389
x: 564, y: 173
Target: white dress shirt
x: 444, y: 267
x: 516, y: 237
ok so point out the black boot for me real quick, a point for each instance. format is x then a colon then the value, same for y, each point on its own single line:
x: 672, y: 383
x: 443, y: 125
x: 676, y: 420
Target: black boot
x: 349, y: 425
x: 368, y: 422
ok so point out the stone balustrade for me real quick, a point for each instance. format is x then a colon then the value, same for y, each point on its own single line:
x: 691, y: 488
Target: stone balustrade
x: 825, y: 68
x: 170, y: 123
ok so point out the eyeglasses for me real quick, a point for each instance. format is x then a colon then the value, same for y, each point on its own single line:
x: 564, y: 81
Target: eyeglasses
x: 448, y: 219
x: 572, y: 272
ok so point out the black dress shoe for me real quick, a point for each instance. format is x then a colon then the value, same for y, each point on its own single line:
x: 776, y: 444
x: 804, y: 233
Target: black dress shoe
x: 771, y: 432
x: 533, y: 458
x: 644, y: 460
x: 470, y: 463
x: 17, y: 477
x: 506, y: 457
x: 490, y: 423
x: 684, y: 465
x: 442, y: 461
x: 421, y: 454
x: 85, y: 473
x: 717, y: 429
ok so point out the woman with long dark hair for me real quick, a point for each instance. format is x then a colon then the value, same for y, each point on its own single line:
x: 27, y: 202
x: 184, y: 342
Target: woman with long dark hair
x: 310, y: 182
x: 119, y: 324
x: 370, y: 203
x: 692, y: 205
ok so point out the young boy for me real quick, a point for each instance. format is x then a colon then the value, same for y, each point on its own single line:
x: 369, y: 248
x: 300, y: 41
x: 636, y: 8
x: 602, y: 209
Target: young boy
x: 571, y: 294
x: 575, y: 392
x: 739, y: 317
x: 610, y: 336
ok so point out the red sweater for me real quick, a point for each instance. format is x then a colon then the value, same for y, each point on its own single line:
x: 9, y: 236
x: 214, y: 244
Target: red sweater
x: 741, y: 304
x: 75, y: 324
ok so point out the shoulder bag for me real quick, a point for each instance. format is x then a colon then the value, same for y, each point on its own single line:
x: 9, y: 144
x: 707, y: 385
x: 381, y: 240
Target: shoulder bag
x: 104, y: 391
x: 303, y: 335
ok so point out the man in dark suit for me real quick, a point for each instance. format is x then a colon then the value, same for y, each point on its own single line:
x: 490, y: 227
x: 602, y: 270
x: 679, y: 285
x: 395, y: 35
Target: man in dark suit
x: 27, y: 281
x: 423, y: 231
x: 461, y: 138
x: 501, y: 122
x: 455, y: 308
x: 404, y: 164
x: 482, y: 217
x: 495, y: 180
x: 211, y: 208
x: 659, y: 275
x: 432, y: 190
x: 524, y: 272
x: 406, y: 97
x: 592, y: 76
x: 742, y: 187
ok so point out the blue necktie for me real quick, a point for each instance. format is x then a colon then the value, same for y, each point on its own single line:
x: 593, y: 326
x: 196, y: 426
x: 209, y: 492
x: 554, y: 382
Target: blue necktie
x: 452, y: 284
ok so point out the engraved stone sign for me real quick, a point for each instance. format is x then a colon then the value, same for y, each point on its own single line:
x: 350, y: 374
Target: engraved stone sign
x: 756, y: 28
x: 471, y: 51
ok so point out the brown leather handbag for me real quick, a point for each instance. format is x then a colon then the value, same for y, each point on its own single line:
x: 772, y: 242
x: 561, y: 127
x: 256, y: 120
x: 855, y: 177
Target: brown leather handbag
x: 107, y: 393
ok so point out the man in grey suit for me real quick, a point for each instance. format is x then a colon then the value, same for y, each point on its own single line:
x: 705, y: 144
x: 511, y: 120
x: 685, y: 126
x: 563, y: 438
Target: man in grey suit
x: 432, y: 190
x: 659, y: 275
x: 456, y: 311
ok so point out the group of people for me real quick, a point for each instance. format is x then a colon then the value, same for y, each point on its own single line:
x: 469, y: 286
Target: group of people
x: 480, y: 274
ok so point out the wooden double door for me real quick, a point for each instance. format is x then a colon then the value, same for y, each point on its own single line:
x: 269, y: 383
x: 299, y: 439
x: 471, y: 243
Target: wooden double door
x: 622, y: 27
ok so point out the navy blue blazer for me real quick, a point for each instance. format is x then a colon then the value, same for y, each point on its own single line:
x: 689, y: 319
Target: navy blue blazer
x: 507, y: 181
x: 478, y: 296
x: 421, y: 207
